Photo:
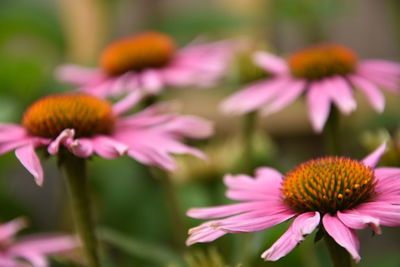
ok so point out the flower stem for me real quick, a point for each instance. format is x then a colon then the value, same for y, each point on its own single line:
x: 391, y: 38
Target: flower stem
x: 340, y: 257
x: 177, y: 222
x: 249, y: 128
x: 332, y: 133
x: 76, y: 178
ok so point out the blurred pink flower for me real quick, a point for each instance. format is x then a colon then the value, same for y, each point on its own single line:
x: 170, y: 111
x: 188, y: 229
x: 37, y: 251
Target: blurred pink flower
x: 88, y: 125
x: 325, y: 73
x: 149, y: 62
x: 30, y: 249
x: 336, y: 193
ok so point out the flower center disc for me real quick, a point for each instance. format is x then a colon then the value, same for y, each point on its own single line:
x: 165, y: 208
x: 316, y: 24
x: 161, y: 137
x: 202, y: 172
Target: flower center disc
x: 87, y: 115
x: 321, y: 61
x: 328, y: 185
x: 145, y: 50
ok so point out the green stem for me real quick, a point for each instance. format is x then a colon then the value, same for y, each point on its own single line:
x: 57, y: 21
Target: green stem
x: 75, y: 172
x: 177, y: 223
x: 249, y: 128
x: 340, y: 257
x: 332, y: 133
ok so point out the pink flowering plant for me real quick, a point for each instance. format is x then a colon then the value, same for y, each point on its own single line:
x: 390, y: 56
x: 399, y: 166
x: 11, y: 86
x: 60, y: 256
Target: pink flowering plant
x: 338, y: 195
x: 149, y: 62
x: 325, y: 74
x: 86, y: 125
x: 31, y: 250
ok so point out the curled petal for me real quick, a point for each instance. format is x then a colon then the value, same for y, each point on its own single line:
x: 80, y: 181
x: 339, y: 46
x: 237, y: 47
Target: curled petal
x: 65, y: 136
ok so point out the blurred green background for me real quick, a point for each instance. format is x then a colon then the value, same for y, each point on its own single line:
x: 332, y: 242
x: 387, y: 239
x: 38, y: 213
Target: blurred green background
x: 132, y: 207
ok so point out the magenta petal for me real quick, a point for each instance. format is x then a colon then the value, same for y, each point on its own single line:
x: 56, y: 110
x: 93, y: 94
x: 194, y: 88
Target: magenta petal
x: 65, y: 136
x: 127, y: 103
x: 46, y: 244
x: 359, y: 221
x: 342, y: 235
x: 27, y: 156
x: 270, y: 62
x: 82, y: 147
x: 9, y: 229
x: 302, y: 225
x: 260, y: 221
x: 109, y: 148
x: 372, y: 159
x: 291, y: 93
x: 341, y: 93
x: 253, y: 96
x: 189, y: 126
x: 374, y: 95
x: 76, y: 75
x: 319, y: 106
x: 151, y: 81
x: 226, y: 210
x: 388, y: 214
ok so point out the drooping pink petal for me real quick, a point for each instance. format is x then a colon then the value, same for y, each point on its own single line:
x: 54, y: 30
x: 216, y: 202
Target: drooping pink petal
x: 341, y: 93
x: 388, y: 184
x: 270, y: 62
x: 260, y: 222
x: 374, y: 95
x: 205, y: 232
x: 253, y: 96
x: 27, y: 156
x: 342, y: 235
x: 226, y: 210
x: 246, y: 222
x: 319, y: 106
x: 45, y: 244
x: 9, y: 229
x: 372, y: 159
x: 10, y: 132
x: 380, y: 65
x: 388, y: 214
x: 66, y: 135
x: 82, y: 147
x: 386, y: 81
x: 127, y: 103
x: 189, y: 126
x: 359, y: 221
x: 283, y: 99
x: 108, y: 147
x: 302, y: 225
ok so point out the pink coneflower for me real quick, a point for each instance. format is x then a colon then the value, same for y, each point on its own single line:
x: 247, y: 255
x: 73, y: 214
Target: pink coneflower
x: 325, y: 73
x: 87, y: 125
x: 149, y: 62
x: 30, y: 249
x: 337, y: 193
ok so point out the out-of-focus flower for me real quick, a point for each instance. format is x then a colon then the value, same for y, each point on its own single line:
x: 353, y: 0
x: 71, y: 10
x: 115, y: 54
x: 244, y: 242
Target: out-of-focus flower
x: 30, y: 249
x: 325, y: 73
x: 371, y: 139
x: 222, y: 156
x: 150, y: 62
x: 337, y: 193
x: 87, y: 125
